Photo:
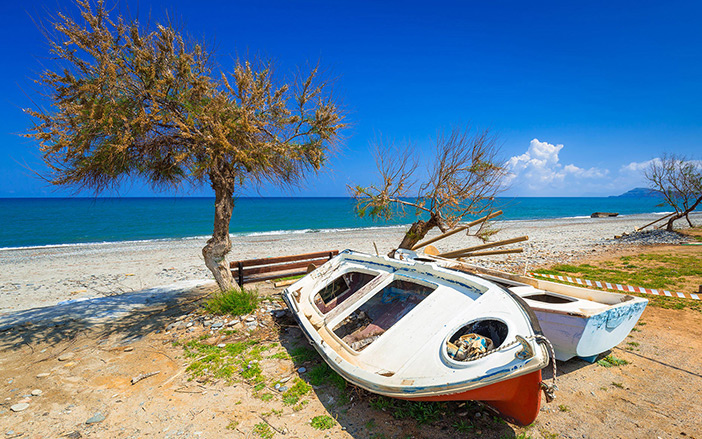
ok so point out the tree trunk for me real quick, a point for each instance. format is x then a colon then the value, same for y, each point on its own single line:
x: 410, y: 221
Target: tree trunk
x: 417, y: 232
x: 215, y: 252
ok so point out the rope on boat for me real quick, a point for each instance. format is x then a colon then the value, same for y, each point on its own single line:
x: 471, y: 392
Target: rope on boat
x: 549, y: 391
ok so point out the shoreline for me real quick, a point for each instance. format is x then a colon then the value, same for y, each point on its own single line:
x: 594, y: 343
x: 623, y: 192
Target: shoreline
x: 43, y: 276
x: 233, y: 236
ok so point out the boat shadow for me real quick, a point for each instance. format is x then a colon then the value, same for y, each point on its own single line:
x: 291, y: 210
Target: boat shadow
x: 365, y: 415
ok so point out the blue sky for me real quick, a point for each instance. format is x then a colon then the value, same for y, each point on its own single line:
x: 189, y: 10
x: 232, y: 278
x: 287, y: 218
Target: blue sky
x: 581, y: 95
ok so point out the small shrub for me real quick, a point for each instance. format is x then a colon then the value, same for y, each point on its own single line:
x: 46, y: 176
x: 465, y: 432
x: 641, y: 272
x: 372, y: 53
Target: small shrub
x: 263, y: 430
x: 293, y: 394
x: 322, y: 422
x: 563, y: 408
x: 611, y: 361
x: 463, y: 426
x: 235, y: 302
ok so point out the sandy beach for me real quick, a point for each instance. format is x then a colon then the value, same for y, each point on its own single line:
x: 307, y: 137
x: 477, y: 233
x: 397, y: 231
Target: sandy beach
x: 43, y: 276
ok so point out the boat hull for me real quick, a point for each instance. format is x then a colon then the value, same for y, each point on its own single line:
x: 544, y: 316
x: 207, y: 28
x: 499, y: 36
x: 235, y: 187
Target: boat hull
x: 588, y: 336
x: 516, y: 398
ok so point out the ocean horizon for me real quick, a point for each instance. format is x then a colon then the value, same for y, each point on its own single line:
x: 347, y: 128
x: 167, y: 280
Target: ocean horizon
x: 36, y: 222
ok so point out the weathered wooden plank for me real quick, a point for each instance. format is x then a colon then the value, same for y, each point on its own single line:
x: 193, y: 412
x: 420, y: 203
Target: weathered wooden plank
x: 457, y: 229
x: 280, y: 259
x: 483, y: 246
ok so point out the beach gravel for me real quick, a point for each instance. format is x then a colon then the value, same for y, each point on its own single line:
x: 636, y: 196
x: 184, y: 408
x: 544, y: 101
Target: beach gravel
x: 35, y: 277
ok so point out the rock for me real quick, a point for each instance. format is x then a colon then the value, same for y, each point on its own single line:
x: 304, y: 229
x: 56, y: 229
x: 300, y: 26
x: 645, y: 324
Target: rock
x: 217, y: 325
x: 284, y: 380
x: 97, y: 417
x: 191, y: 329
x: 207, y: 323
x: 189, y: 324
x: 19, y: 407
x: 302, y: 370
x: 233, y: 322
x: 67, y: 356
x: 128, y: 349
x: 221, y: 345
x: 251, y: 319
x: 37, y: 392
x: 277, y: 387
x: 282, y: 388
x: 43, y: 375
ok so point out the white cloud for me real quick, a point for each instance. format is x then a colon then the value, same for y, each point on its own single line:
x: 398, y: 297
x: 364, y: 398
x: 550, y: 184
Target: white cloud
x: 638, y: 167
x: 539, y: 172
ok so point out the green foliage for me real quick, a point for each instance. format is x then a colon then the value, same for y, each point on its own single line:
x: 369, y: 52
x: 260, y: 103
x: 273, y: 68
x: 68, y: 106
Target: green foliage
x: 612, y: 361
x: 563, y: 408
x: 300, y: 354
x: 323, y: 422
x: 462, y: 426
x: 322, y: 374
x: 297, y: 391
x: 619, y: 385
x: 263, y: 430
x: 232, y: 425
x: 235, y: 302
x: 266, y: 397
x: 422, y: 412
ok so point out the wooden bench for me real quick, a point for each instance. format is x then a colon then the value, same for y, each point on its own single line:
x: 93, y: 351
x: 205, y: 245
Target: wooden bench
x: 256, y: 270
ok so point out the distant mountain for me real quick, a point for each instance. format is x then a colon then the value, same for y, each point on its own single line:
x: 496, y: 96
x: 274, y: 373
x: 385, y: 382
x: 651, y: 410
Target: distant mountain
x: 638, y: 192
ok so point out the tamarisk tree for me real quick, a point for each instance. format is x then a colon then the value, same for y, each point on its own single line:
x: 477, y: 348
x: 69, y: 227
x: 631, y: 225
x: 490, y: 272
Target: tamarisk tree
x: 460, y: 180
x: 127, y: 100
x: 679, y: 182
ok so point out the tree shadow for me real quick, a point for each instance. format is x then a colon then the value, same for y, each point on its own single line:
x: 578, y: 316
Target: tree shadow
x: 129, y: 316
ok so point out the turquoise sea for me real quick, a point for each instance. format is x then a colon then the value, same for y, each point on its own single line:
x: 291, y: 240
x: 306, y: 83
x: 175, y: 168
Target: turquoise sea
x: 53, y: 221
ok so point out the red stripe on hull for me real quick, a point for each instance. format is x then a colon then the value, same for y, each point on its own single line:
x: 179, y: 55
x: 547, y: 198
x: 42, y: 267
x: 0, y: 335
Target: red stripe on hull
x: 517, y: 398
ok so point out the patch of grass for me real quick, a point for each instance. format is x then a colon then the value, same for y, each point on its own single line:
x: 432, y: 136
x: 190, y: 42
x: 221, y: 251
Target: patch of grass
x: 297, y: 391
x: 370, y: 425
x: 300, y: 354
x: 298, y: 276
x: 619, y: 385
x: 659, y: 271
x: 280, y: 356
x: 322, y: 374
x: 633, y: 344
x: 547, y: 434
x: 463, y: 426
x: 235, y: 302
x: 422, y: 412
x: 232, y: 425
x: 300, y: 406
x: 521, y: 435
x: 266, y: 397
x: 263, y: 430
x: 563, y: 408
x: 612, y: 361
x: 322, y: 422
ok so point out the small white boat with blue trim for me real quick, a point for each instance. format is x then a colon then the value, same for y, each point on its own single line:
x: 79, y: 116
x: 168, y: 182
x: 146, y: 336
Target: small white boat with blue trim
x: 405, y: 327
x: 580, y: 322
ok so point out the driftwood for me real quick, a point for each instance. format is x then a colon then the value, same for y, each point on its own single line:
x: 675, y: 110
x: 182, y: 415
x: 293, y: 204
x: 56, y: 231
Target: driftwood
x: 138, y: 378
x: 460, y: 252
x: 491, y: 252
x: 636, y: 229
x: 457, y: 229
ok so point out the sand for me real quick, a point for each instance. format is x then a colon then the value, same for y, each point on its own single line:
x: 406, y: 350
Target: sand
x: 44, y: 276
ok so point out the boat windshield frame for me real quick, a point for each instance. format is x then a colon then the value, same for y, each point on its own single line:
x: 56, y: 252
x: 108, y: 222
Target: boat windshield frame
x: 335, y: 322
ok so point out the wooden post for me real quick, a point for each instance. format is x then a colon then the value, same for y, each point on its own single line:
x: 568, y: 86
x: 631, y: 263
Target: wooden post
x: 457, y: 253
x: 457, y: 229
x: 241, y: 274
x: 491, y: 252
